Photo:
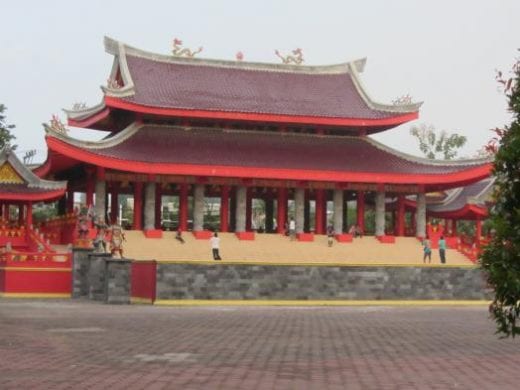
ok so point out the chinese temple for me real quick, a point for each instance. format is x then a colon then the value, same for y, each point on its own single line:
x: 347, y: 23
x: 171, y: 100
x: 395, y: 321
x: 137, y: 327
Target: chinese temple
x: 238, y: 131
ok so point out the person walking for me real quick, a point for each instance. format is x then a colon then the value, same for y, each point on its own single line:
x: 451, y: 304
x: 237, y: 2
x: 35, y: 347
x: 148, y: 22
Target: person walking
x: 427, y: 249
x: 442, y: 250
x: 215, y: 246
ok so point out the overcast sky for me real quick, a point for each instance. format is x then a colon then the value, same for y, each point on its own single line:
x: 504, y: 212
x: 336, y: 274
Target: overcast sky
x: 441, y: 52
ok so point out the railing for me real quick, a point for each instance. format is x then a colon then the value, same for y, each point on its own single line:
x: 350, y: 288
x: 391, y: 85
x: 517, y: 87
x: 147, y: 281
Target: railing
x: 42, y: 258
x: 60, y: 230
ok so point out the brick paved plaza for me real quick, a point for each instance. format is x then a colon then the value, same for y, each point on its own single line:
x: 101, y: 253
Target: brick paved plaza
x: 83, y: 345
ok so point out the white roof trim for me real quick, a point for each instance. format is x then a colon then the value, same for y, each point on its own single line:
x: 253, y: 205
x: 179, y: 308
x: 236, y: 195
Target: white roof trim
x: 84, y: 112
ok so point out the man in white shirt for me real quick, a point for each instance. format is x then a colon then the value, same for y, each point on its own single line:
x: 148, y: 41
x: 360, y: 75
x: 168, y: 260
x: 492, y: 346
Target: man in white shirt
x: 215, y: 246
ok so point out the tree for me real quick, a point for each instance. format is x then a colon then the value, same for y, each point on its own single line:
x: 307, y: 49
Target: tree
x: 501, y: 258
x: 432, y: 143
x: 5, y: 130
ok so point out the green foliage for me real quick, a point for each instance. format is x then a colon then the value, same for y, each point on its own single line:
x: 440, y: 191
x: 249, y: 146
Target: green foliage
x: 436, y: 144
x: 501, y: 258
x: 5, y: 130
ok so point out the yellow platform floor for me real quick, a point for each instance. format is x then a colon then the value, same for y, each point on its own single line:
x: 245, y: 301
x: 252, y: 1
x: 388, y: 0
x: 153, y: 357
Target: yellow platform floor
x: 274, y: 248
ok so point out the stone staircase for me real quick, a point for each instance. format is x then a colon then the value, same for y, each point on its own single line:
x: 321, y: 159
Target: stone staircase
x: 274, y: 248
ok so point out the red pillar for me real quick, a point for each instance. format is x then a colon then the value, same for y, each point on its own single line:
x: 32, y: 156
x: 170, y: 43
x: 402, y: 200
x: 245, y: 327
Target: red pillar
x: 224, y: 209
x: 454, y: 227
x: 158, y: 205
x: 28, y: 218
x: 70, y: 201
x: 21, y: 216
x: 281, y: 212
x: 249, y: 207
x: 361, y: 210
x: 400, y: 215
x: 183, y: 207
x: 318, y: 226
x: 138, y: 206
x: 478, y: 231
x: 114, y: 204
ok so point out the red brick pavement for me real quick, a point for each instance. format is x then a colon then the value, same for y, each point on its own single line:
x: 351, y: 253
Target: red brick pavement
x: 82, y: 345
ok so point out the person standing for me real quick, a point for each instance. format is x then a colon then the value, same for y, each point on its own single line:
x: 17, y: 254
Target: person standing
x: 442, y: 250
x: 330, y: 235
x: 215, y: 246
x: 427, y: 249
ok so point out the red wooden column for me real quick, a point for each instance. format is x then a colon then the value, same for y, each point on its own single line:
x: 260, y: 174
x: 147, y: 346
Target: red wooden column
x: 28, y: 218
x: 281, y: 212
x: 183, y: 207
x: 478, y: 231
x: 400, y: 215
x: 361, y: 210
x: 138, y: 206
x: 249, y: 207
x: 21, y: 215
x: 318, y: 225
x: 70, y: 201
x: 224, y: 208
x: 114, y: 204
x: 454, y: 227
x: 158, y: 205
x: 90, y: 188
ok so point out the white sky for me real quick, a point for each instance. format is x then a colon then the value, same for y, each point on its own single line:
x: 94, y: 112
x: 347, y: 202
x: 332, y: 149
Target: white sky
x: 441, y: 52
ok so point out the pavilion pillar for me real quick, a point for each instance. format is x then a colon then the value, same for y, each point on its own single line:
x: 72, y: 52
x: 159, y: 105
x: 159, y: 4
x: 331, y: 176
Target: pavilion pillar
x: 307, y: 213
x: 360, y: 221
x: 281, y: 210
x: 114, y: 202
x: 380, y: 213
x: 420, y: 216
x: 21, y: 214
x: 232, y: 210
x: 478, y: 231
x: 269, y: 213
x: 338, y: 211
x: 62, y: 205
x: 241, y: 207
x: 198, y: 207
x: 224, y: 208
x: 299, y: 209
x: 400, y: 215
x: 100, y: 205
x: 70, y: 201
x: 28, y: 217
x: 158, y: 206
x: 149, y: 206
x: 454, y: 227
x: 138, y: 206
x: 318, y: 224
x: 249, y: 207
x: 183, y: 207
x: 344, y: 228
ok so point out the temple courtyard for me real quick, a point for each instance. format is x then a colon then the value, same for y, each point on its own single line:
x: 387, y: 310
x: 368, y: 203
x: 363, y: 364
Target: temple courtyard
x: 64, y: 344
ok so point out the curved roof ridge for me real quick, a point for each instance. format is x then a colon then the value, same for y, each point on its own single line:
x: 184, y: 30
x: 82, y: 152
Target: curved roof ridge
x: 32, y: 181
x: 423, y: 160
x: 115, y: 48
x: 399, y: 108
x: 108, y: 142
x: 84, y: 112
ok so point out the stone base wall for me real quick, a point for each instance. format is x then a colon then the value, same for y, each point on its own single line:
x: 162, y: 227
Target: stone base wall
x: 118, y: 276
x: 223, y: 281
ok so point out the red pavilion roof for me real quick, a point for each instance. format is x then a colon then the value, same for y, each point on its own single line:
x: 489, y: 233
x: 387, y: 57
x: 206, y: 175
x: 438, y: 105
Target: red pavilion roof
x: 155, y: 84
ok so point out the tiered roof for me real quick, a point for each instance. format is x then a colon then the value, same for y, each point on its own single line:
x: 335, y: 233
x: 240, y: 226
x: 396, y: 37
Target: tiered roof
x: 148, y: 83
x: 19, y: 183
x: 250, y: 154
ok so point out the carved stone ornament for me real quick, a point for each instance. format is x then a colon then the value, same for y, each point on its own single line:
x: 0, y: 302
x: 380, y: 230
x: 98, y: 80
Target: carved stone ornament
x: 113, y: 83
x: 296, y: 58
x: 56, y: 125
x: 402, y: 100
x: 179, y: 51
x: 239, y: 56
x: 79, y: 106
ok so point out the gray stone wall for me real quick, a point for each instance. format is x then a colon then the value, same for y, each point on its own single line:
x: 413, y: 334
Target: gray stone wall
x: 80, y: 266
x: 118, y: 277
x: 222, y: 281
x: 96, y: 276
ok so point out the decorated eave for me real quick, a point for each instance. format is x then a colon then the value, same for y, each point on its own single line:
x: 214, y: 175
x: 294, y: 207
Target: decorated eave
x: 469, y: 202
x: 148, y: 84
x: 19, y: 183
x: 203, y: 152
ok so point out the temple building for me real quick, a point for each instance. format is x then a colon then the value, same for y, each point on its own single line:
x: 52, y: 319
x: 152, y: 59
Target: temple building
x: 238, y: 131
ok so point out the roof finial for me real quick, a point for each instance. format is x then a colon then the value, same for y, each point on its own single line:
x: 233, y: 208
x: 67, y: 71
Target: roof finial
x: 56, y: 125
x: 179, y: 51
x: 402, y: 100
x: 296, y: 59
x: 78, y: 106
x: 239, y: 56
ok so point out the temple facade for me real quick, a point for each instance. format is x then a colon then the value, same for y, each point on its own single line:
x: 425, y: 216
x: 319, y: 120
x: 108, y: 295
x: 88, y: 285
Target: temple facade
x: 238, y: 131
